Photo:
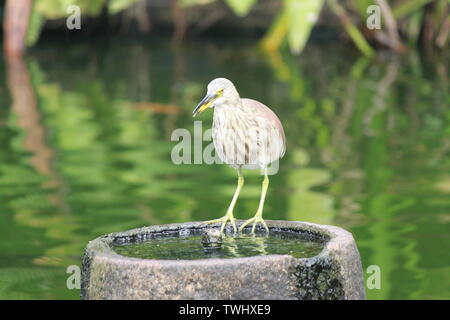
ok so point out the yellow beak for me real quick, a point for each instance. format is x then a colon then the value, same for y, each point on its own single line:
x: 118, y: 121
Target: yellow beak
x: 204, y: 104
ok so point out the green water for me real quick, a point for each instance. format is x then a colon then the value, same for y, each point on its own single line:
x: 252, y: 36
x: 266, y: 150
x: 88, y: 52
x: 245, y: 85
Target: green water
x: 84, y: 153
x: 191, y: 248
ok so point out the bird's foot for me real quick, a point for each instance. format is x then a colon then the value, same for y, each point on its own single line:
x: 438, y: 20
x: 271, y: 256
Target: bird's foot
x: 256, y: 219
x: 228, y: 217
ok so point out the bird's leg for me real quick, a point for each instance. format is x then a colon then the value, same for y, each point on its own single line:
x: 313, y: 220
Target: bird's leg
x: 258, y: 216
x: 229, y: 215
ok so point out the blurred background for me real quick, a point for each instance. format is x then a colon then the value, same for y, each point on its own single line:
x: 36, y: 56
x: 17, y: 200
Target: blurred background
x: 86, y: 117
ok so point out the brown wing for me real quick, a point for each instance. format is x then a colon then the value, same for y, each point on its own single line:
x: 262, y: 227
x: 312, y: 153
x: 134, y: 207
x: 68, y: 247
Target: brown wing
x: 264, y: 111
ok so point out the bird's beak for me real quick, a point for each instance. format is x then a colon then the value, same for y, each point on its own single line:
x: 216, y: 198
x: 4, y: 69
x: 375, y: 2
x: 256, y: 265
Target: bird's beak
x: 205, y: 103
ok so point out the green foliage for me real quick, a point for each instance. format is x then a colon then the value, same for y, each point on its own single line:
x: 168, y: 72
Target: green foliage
x: 406, y: 8
x: 34, y: 27
x: 55, y: 9
x: 302, y: 15
x: 353, y: 32
x: 241, y: 7
x: 362, y: 5
x: 293, y: 23
x: 115, y: 6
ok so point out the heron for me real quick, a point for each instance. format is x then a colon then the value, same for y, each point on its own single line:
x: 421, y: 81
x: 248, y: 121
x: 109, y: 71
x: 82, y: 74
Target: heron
x: 246, y: 135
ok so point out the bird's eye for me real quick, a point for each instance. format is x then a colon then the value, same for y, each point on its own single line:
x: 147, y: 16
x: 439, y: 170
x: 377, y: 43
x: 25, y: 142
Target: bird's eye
x: 220, y: 91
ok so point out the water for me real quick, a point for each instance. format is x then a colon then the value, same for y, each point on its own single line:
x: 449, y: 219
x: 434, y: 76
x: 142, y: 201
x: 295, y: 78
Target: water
x: 191, y: 248
x: 85, y: 146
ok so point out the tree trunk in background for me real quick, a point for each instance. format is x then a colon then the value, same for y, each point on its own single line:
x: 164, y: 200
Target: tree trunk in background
x: 17, y: 14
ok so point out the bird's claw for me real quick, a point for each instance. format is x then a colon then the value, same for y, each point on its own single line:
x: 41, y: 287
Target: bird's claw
x: 224, y: 220
x: 256, y: 219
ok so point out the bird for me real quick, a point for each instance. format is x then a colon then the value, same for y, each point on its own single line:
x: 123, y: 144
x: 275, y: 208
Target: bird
x: 246, y: 135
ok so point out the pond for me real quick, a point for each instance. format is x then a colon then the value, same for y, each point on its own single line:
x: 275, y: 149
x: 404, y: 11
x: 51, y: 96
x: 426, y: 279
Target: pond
x: 85, y: 137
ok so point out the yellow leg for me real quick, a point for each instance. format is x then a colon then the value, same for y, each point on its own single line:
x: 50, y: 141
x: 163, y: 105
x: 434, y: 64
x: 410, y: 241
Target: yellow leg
x: 258, y: 216
x: 229, y: 215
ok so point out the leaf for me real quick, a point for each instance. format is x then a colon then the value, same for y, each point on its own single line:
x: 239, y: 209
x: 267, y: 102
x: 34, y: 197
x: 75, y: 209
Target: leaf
x: 276, y: 34
x: 240, y: 7
x: 302, y: 15
x: 34, y: 27
x: 56, y: 9
x: 50, y: 9
x: 362, y: 6
x: 408, y: 7
x: 352, y: 31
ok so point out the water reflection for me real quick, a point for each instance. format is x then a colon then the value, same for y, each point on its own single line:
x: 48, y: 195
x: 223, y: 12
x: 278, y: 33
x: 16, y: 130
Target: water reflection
x: 85, y: 140
x: 243, y: 245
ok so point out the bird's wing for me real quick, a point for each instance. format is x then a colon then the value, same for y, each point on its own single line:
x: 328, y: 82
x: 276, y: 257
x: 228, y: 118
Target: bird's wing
x: 265, y: 112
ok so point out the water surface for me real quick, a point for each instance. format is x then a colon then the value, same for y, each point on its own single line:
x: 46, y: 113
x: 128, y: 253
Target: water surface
x: 85, y: 149
x: 191, y: 248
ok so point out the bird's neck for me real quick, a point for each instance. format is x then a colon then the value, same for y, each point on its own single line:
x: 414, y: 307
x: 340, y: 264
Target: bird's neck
x: 229, y: 112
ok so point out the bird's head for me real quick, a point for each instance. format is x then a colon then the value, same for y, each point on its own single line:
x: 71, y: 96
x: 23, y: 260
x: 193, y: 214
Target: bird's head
x: 220, y: 91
